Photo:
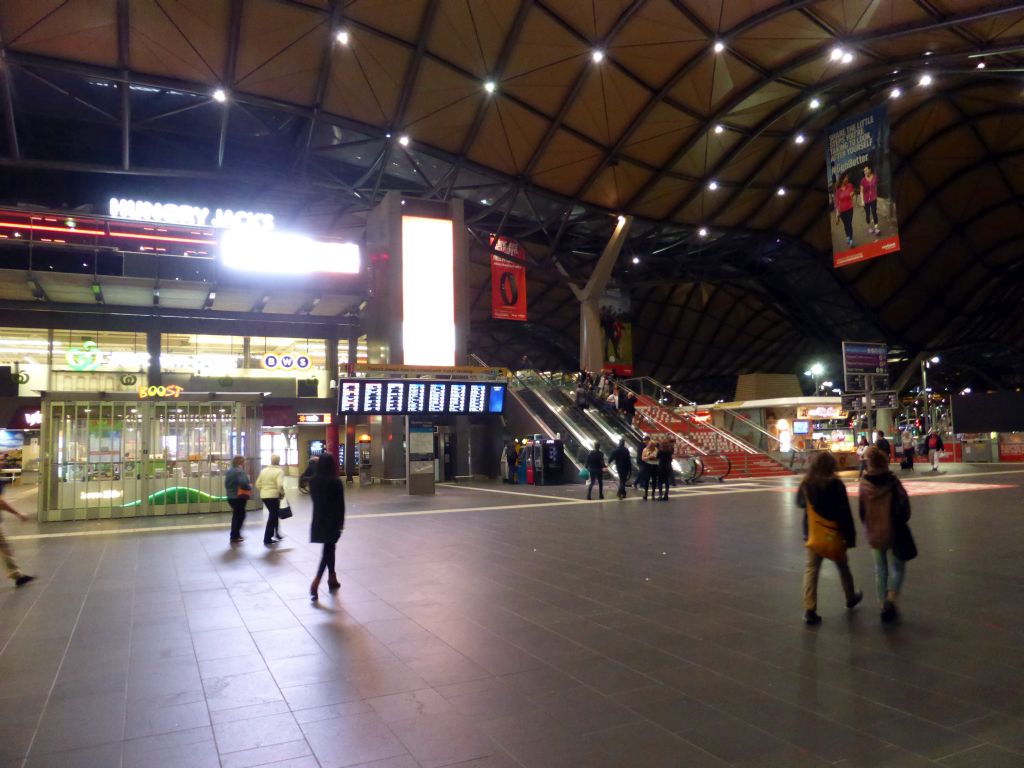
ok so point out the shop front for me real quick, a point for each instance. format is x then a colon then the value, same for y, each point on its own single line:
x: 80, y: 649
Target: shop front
x: 121, y: 455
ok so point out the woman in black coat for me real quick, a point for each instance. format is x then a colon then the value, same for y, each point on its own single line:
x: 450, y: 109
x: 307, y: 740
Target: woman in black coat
x: 328, y: 496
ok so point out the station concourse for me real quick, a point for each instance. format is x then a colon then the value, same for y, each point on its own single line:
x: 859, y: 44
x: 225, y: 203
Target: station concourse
x: 408, y: 275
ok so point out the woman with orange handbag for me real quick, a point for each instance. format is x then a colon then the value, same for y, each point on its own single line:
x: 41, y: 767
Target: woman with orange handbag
x: 828, y: 531
x: 239, y: 490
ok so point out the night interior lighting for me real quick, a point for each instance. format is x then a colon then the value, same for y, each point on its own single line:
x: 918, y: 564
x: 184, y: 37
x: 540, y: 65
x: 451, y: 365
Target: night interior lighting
x: 428, y: 291
x: 286, y: 253
x: 800, y: 138
x: 712, y: 185
x: 719, y: 128
x: 925, y: 80
x: 719, y: 46
x: 815, y: 103
x: 597, y: 56
x: 895, y: 93
x: 703, y: 232
x: 342, y: 36
x: 490, y: 86
x: 220, y: 95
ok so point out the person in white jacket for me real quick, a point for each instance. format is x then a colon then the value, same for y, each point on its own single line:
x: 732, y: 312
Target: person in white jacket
x: 270, y: 484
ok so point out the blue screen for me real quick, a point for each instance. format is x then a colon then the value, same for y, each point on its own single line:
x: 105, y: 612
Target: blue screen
x: 496, y: 401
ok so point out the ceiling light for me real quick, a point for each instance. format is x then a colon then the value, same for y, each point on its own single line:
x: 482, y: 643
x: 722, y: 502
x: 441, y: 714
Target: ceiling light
x: 815, y: 103
x: 636, y: 259
x: 781, y: 191
x: 927, y: 53
x: 800, y: 138
x: 403, y: 140
x: 719, y: 46
x: 490, y: 86
x: 895, y: 93
x: 342, y: 36
x: 981, y: 65
x: 597, y: 56
x: 925, y: 80
x: 847, y: 57
x: 719, y: 128
x: 703, y: 232
x: 836, y: 54
x: 220, y: 95
x: 712, y: 185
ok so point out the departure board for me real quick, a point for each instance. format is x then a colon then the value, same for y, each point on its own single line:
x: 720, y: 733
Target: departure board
x: 400, y: 397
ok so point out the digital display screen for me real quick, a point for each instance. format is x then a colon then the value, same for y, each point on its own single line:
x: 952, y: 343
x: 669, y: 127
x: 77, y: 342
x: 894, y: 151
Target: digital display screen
x: 399, y: 397
x: 457, y: 402
x: 477, y: 398
x: 801, y: 427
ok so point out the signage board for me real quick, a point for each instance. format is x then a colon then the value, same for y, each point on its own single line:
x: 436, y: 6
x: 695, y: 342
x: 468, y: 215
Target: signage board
x: 853, y: 402
x: 866, y: 358
x: 820, y: 412
x: 419, y: 397
x: 188, y: 215
x: 886, y: 399
x: 508, y: 280
x: 315, y: 418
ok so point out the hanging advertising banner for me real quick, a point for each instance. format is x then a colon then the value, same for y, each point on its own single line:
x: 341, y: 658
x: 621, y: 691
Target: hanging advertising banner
x: 862, y: 208
x: 508, y: 280
x: 616, y: 331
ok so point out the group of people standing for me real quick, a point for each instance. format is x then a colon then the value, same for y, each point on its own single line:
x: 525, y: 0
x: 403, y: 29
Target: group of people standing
x: 829, y: 531
x: 655, y: 470
x: 604, y: 392
x: 932, y: 446
x: 326, y: 491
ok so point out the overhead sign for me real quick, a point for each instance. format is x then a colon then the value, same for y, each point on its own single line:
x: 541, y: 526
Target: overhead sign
x: 820, y: 412
x: 863, y: 210
x: 171, y: 390
x: 886, y: 399
x: 188, y: 215
x: 853, y: 402
x: 315, y: 418
x: 421, y: 397
x: 866, y: 358
x: 87, y: 357
x: 285, y: 362
x: 508, y: 281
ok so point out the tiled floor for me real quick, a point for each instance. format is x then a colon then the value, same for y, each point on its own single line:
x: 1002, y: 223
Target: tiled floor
x: 503, y: 626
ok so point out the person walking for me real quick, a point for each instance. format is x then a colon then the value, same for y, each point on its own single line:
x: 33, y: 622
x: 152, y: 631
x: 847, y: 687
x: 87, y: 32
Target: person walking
x: 239, y: 489
x: 328, y: 495
x: 883, y: 445
x: 862, y: 448
x: 823, y: 495
x: 623, y: 465
x: 844, y: 206
x: 666, y: 449
x: 270, y: 484
x: 512, y: 461
x: 883, y: 505
x: 13, y: 571
x: 869, y: 197
x: 595, y: 466
x: 907, y: 443
x: 649, y: 466
x: 934, y: 444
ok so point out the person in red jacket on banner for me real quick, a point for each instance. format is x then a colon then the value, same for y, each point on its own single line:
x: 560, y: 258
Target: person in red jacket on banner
x: 869, y: 197
x: 844, y: 206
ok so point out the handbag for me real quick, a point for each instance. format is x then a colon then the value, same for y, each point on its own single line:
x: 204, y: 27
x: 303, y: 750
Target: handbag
x: 903, y: 545
x: 284, y: 511
x: 584, y: 474
x: 823, y: 536
x: 245, y: 493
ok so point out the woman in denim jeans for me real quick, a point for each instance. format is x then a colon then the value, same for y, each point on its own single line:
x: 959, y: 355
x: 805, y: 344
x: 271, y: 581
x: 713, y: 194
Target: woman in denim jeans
x: 882, y: 499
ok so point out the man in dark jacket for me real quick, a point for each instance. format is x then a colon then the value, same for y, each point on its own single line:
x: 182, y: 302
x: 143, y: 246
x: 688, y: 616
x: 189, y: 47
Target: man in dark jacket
x: 666, y: 449
x: 934, y: 444
x: 883, y: 445
x: 623, y: 465
x: 512, y: 461
x: 595, y: 466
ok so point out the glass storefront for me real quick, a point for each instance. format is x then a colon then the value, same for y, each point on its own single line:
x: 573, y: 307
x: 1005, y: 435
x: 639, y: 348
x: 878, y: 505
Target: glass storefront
x: 124, y: 457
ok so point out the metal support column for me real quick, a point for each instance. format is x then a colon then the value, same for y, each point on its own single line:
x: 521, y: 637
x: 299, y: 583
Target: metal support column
x: 591, y: 353
x: 153, y: 345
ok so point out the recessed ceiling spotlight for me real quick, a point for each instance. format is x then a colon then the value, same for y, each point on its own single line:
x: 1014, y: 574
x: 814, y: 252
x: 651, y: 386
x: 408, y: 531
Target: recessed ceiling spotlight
x: 925, y: 80
x: 403, y: 140
x: 895, y: 71
x: 636, y: 259
x: 837, y: 53
x: 342, y: 36
x: 490, y: 86
x: 981, y: 65
x: 703, y: 232
x: 815, y: 103
x: 781, y: 192
x: 719, y: 128
x: 712, y: 185
x: 847, y: 57
x: 800, y: 138
x: 597, y: 56
x: 927, y: 53
x: 719, y: 46
x: 220, y: 95
x: 895, y: 93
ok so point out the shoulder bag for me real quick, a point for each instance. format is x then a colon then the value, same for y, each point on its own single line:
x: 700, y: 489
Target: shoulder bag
x: 285, y: 510
x: 823, y: 536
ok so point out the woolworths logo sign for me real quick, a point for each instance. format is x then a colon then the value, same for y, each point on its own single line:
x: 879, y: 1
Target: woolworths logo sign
x: 87, y: 357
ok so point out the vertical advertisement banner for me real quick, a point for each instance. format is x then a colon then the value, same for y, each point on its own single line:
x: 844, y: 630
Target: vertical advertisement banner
x: 508, y: 280
x: 616, y: 332
x: 862, y: 209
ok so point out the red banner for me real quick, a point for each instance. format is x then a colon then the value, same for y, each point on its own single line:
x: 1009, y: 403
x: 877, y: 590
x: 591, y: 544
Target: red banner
x: 508, y: 281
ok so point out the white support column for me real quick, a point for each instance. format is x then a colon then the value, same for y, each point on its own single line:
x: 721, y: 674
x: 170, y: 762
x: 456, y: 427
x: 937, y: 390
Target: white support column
x: 591, y: 353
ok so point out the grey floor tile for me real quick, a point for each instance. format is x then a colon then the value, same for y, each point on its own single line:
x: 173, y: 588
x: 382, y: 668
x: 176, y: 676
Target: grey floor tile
x: 983, y: 756
x: 142, y: 720
x: 922, y: 737
x: 402, y: 706
x: 443, y: 739
x: 102, y: 756
x: 256, y: 733
x: 248, y: 689
x: 351, y: 740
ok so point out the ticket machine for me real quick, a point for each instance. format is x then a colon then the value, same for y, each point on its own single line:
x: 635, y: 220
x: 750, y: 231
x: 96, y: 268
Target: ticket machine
x: 364, y: 461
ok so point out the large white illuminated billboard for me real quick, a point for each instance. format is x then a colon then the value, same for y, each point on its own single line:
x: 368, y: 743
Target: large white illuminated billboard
x: 286, y: 253
x: 428, y: 291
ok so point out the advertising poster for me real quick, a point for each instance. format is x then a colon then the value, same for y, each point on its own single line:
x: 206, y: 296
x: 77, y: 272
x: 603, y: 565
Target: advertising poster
x: 616, y: 332
x: 508, y: 280
x: 862, y: 209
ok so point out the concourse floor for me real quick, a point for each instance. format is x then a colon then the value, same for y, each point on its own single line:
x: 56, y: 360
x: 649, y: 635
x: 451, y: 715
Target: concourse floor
x: 494, y: 626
